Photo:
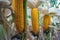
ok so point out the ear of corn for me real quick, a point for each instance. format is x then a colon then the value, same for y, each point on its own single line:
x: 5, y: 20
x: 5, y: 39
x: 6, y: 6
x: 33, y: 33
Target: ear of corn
x: 35, y: 24
x: 46, y: 22
x: 19, y: 15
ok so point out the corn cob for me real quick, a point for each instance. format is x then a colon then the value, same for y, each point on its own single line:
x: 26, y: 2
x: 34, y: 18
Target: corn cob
x: 46, y: 22
x: 19, y: 15
x: 35, y: 24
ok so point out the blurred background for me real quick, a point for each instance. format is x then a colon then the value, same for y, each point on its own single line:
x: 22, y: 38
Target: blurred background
x: 45, y: 6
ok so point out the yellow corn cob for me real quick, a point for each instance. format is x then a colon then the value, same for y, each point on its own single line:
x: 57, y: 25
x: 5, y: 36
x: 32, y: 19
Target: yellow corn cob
x: 19, y: 15
x: 35, y: 24
x: 46, y: 22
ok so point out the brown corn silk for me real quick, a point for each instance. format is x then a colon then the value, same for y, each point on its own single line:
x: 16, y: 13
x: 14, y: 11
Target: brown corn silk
x: 18, y: 14
x: 35, y: 24
x: 46, y: 22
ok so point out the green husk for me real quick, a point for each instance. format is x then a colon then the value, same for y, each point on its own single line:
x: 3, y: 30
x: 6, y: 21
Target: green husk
x: 25, y: 16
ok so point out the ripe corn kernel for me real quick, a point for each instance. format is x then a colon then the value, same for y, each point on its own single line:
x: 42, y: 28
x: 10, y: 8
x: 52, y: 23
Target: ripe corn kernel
x: 18, y: 15
x: 35, y: 24
x: 46, y: 22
